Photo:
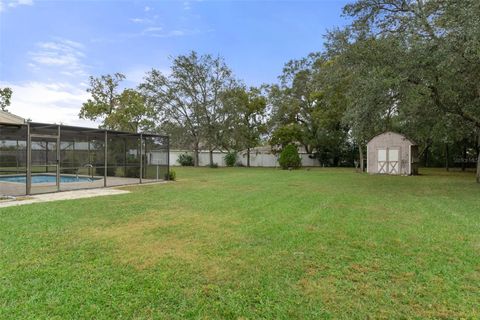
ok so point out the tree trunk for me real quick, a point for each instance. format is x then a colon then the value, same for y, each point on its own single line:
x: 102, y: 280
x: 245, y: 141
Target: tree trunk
x: 464, y: 160
x: 478, y: 168
x: 478, y: 159
x: 195, y: 156
x: 211, y: 158
x: 360, y: 153
x: 336, y: 160
x: 248, y: 157
x: 425, y: 156
x: 446, y: 158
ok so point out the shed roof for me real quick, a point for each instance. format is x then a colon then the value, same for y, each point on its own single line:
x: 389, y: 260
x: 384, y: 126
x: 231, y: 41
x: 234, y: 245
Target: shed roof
x: 395, y: 133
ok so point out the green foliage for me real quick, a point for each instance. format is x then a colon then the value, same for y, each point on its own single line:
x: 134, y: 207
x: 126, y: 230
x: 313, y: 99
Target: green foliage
x: 185, y: 160
x: 285, y: 135
x: 198, y: 78
x: 231, y: 159
x: 132, y: 171
x: 125, y: 111
x: 100, y: 171
x: 308, y: 107
x: 8, y: 160
x: 5, y: 98
x: 431, y: 91
x: 289, y: 158
x: 171, y: 175
x: 246, y: 120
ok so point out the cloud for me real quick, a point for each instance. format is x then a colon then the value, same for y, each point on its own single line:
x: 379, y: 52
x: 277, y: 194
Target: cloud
x: 14, y: 3
x: 142, y: 20
x: 146, y: 9
x: 62, y: 54
x: 159, y: 33
x: 152, y: 29
x: 48, y: 102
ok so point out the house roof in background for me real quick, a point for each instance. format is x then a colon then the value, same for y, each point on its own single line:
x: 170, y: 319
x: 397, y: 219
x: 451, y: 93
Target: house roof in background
x: 7, y: 117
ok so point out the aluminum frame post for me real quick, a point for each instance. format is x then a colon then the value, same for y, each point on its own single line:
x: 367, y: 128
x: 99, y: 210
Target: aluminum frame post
x: 28, y: 184
x: 141, y: 157
x: 58, y: 158
x: 105, y: 160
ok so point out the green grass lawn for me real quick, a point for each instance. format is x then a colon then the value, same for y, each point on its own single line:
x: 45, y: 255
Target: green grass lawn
x: 250, y: 243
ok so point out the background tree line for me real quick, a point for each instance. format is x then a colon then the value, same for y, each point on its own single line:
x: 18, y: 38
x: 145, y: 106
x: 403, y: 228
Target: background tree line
x: 411, y: 66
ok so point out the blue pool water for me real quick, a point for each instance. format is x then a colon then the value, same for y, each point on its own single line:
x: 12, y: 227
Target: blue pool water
x: 45, y: 178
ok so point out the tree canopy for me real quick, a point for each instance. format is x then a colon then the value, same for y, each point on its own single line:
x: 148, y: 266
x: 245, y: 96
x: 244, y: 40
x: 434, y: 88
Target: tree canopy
x: 411, y: 66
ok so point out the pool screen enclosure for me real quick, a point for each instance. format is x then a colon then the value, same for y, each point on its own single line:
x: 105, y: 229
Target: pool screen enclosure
x: 40, y: 158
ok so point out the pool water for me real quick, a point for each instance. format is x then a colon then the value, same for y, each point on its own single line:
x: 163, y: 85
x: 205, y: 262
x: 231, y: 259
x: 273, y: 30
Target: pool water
x: 45, y: 178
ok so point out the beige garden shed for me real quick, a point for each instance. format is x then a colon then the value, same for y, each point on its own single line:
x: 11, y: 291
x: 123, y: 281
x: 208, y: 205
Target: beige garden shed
x: 392, y: 153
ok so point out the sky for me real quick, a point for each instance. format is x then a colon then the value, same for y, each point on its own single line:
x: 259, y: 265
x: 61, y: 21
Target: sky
x: 48, y: 49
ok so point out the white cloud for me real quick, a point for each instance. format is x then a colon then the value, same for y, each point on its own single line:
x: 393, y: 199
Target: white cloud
x: 159, y: 33
x: 146, y: 9
x: 142, y: 20
x: 62, y: 54
x: 14, y: 3
x: 52, y: 102
x: 152, y: 29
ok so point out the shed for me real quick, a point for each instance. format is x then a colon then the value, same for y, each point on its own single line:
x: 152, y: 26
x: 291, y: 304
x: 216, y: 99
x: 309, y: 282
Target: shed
x: 392, y: 153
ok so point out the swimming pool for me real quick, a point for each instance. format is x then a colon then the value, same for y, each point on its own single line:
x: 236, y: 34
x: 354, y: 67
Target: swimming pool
x: 46, y: 178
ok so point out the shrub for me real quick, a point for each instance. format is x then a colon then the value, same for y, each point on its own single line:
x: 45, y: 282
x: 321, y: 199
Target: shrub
x: 230, y: 159
x: 171, y: 175
x: 100, y: 170
x: 289, y: 158
x: 185, y: 160
x: 132, y: 172
x: 213, y: 165
x: 8, y: 160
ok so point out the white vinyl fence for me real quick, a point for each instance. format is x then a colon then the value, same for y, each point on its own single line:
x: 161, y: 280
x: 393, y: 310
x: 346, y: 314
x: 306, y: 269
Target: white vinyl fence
x: 257, y: 159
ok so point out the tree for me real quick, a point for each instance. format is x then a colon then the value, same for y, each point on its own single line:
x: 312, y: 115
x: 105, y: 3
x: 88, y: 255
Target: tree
x: 441, y: 50
x: 310, y: 105
x: 5, y: 97
x: 132, y: 114
x: 370, y: 84
x: 105, y: 96
x: 125, y: 111
x: 247, y: 115
x: 190, y: 98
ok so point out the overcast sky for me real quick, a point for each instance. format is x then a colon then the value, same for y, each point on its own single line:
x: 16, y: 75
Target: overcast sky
x: 48, y: 49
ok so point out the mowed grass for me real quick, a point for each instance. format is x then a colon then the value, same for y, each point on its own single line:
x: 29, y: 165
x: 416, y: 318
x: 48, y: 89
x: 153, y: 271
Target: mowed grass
x: 250, y: 243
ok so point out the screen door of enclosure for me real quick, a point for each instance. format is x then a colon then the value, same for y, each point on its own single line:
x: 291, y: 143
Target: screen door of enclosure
x: 44, y: 174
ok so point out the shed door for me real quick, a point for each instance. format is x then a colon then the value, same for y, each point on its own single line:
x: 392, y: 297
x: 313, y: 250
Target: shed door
x: 382, y: 161
x: 393, y: 161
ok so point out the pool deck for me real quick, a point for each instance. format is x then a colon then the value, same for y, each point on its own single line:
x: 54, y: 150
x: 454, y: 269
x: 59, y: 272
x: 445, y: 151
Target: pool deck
x: 67, y: 195
x: 19, y: 189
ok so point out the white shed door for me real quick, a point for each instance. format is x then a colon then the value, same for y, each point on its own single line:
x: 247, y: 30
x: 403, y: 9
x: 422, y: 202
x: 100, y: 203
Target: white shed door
x: 393, y: 161
x: 382, y: 161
